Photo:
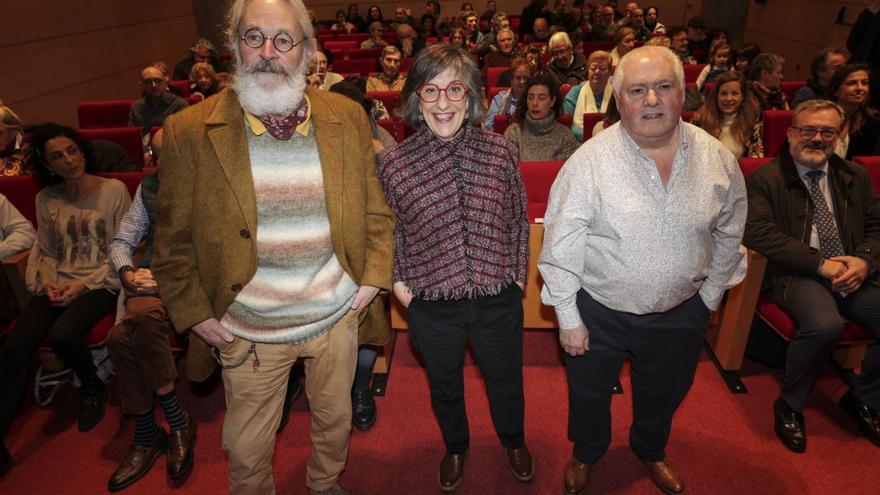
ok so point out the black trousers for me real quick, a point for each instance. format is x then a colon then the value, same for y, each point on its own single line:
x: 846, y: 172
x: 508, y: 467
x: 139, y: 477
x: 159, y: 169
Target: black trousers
x: 66, y: 329
x: 817, y: 312
x: 494, y: 325
x: 664, y: 349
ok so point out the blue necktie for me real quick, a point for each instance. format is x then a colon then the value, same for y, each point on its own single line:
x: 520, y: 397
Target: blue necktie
x: 829, y: 237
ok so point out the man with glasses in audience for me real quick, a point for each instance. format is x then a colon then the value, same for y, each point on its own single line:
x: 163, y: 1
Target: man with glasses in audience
x: 157, y: 102
x: 390, y: 79
x: 816, y: 217
x: 272, y: 240
x: 566, y: 65
x: 637, y: 22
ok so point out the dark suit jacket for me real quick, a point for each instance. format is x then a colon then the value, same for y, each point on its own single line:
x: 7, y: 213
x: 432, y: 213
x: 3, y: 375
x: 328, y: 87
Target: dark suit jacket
x: 206, y: 218
x: 781, y: 217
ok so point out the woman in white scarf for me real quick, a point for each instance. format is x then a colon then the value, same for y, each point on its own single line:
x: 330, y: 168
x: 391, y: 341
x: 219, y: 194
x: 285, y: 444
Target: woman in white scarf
x: 593, y: 95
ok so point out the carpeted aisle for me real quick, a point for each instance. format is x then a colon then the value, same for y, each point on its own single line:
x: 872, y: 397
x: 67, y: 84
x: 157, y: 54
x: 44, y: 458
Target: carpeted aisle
x: 721, y: 443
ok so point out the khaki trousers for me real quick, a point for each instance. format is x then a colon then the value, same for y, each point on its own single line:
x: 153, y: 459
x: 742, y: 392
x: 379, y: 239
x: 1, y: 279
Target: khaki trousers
x: 255, y: 395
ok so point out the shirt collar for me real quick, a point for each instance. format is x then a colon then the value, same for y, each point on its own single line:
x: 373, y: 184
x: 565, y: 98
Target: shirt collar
x: 632, y: 147
x: 258, y: 128
x: 804, y: 170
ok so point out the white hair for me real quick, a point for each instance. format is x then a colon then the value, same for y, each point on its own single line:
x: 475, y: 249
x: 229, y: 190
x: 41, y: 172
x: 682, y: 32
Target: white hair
x: 654, y: 52
x: 233, y: 18
x: 560, y: 37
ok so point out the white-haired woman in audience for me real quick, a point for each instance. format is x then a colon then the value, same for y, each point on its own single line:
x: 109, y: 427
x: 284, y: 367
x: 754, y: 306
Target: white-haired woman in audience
x: 624, y: 41
x: 461, y: 251
x: 731, y: 114
x: 849, y: 88
x: 536, y: 133
x: 68, y: 271
x: 505, y: 102
x: 765, y: 77
x: 375, y: 40
x: 592, y: 95
x: 202, y: 80
x: 13, y: 153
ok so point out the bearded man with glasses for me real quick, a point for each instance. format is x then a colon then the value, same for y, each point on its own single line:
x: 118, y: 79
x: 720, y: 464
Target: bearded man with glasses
x: 816, y: 217
x: 273, y: 239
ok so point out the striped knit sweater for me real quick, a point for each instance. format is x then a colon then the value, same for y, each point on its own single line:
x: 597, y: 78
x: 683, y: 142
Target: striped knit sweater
x: 299, y: 289
x: 462, y: 229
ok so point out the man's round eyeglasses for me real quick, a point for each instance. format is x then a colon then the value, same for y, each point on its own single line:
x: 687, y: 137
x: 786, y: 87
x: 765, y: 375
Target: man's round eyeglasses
x: 283, y: 42
x: 455, y: 91
x: 824, y: 132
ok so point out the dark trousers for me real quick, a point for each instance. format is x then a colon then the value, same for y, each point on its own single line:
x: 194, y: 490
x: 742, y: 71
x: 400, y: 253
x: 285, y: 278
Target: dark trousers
x: 494, y: 325
x: 817, y: 312
x: 141, y: 353
x: 664, y: 349
x: 66, y: 329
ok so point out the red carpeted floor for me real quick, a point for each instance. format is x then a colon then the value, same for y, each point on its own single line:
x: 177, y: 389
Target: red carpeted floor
x: 721, y: 443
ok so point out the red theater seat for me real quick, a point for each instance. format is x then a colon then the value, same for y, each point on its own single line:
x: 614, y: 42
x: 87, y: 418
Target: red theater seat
x: 592, y: 46
x: 391, y: 99
x: 361, y: 66
x: 127, y: 137
x: 341, y: 45
x: 776, y: 124
x: 492, y: 75
x: 184, y: 86
x: 21, y: 190
x: 500, y: 124
x: 359, y: 37
x: 493, y: 92
x: 590, y: 120
x: 109, y: 113
x: 538, y: 178
x: 692, y: 72
x: 786, y: 327
x: 405, y: 63
x: 389, y: 125
x: 749, y: 165
x: 791, y: 87
x: 872, y: 165
x: 368, y: 53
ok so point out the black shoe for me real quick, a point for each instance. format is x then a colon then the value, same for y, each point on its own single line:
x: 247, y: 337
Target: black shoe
x: 363, y: 408
x: 867, y: 418
x: 138, y: 461
x: 94, y: 397
x: 5, y: 459
x: 789, y: 426
x: 294, y: 390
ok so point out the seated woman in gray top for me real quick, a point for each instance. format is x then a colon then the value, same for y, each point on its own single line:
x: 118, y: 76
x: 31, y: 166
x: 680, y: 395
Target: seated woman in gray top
x: 536, y: 134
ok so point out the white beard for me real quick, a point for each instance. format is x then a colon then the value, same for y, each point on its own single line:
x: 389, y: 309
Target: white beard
x: 282, y: 98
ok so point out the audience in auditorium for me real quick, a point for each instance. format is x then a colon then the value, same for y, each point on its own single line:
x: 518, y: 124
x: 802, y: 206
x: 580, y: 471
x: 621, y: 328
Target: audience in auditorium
x: 536, y: 9
x: 719, y: 62
x: 202, y: 51
x: 355, y: 18
x: 744, y: 56
x: 536, y: 134
x: 698, y: 42
x: 157, y: 102
x: 342, y: 23
x: 375, y: 40
x: 428, y: 28
x: 822, y: 265
x: 731, y: 115
x: 765, y: 77
x: 449, y: 302
x: 489, y: 41
x: 612, y: 116
x: 141, y: 352
x: 624, y: 41
x: 605, y: 27
x: 862, y: 44
x: 639, y: 286
x: 401, y: 16
x: 467, y: 21
x: 457, y: 38
x: 659, y: 40
x: 319, y: 74
x: 374, y: 14
x: 592, y: 95
x: 163, y: 67
x: 505, y: 102
x: 269, y: 121
x: 566, y: 65
x: 202, y: 80
x: 13, y: 152
x: 678, y: 43
x: 408, y: 42
x: 849, y: 88
x: 486, y: 17
x: 637, y: 23
x: 68, y: 272
x: 540, y: 31
x: 390, y: 79
x: 823, y: 66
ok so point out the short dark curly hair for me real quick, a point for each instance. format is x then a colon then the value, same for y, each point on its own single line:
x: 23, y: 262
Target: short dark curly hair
x: 41, y: 134
x: 552, y: 86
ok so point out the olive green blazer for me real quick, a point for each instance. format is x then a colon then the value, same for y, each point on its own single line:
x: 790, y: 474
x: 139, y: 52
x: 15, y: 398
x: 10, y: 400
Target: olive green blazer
x: 206, y: 213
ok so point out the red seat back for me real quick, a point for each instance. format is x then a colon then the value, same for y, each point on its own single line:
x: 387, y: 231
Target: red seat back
x: 391, y: 99
x: 692, y: 72
x: 749, y: 165
x: 341, y: 45
x: 872, y: 165
x: 109, y: 113
x: 21, y: 190
x: 369, y: 53
x: 405, y: 63
x: 538, y: 178
x: 791, y: 87
x: 590, y: 120
x: 127, y: 137
x: 592, y: 46
x: 500, y: 124
x: 776, y: 123
x: 389, y: 125
x: 183, y: 86
x: 359, y: 37
x: 130, y: 179
x: 362, y: 66
x: 492, y: 75
x: 493, y: 92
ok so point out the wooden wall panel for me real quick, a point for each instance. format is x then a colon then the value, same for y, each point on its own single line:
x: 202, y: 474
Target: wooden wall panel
x: 56, y: 54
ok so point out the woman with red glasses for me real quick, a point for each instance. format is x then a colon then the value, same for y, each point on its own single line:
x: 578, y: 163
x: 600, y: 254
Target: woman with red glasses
x: 461, y: 251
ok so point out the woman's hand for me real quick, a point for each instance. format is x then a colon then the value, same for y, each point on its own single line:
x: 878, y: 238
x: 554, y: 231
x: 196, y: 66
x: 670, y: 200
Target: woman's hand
x: 68, y: 292
x: 402, y: 293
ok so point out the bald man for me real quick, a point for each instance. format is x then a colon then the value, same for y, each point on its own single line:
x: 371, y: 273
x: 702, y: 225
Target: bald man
x: 157, y: 103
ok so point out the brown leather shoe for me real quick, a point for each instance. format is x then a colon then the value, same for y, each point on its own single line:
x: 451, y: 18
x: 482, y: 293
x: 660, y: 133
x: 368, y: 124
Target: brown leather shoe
x: 576, y: 477
x: 137, y: 462
x: 665, y: 477
x: 451, y: 472
x: 521, y: 464
x: 180, y: 450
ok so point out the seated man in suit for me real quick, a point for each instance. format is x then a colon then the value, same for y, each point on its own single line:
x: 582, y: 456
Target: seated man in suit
x: 816, y: 218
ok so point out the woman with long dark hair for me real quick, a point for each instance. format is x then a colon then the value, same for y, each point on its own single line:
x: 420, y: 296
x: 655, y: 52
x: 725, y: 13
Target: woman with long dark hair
x: 849, y: 88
